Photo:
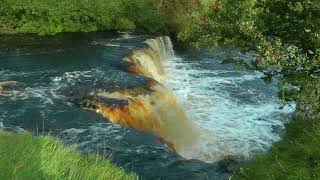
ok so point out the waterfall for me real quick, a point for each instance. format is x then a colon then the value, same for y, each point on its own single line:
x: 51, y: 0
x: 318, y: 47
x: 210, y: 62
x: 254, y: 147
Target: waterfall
x: 148, y: 61
x: 152, y: 108
x: 163, y: 46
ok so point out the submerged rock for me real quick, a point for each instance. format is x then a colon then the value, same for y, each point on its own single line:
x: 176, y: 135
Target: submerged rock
x: 15, y: 129
x: 8, y: 88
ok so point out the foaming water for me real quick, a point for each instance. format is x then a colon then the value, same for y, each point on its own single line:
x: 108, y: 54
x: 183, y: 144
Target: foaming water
x: 148, y: 61
x: 155, y: 111
x: 236, y: 112
x: 152, y: 108
x: 163, y: 46
x: 239, y: 115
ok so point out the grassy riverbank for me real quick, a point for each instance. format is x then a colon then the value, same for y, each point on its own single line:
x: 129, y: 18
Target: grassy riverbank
x: 27, y: 157
x: 297, y: 156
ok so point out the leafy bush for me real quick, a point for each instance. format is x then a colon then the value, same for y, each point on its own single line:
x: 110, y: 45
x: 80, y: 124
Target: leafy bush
x: 221, y: 21
x: 295, y: 22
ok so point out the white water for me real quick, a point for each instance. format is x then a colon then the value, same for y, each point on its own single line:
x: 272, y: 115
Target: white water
x: 163, y: 46
x: 236, y: 116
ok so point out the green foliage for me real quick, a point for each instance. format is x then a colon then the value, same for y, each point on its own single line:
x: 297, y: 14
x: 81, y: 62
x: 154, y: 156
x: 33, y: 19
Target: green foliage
x: 297, y: 68
x: 51, y: 17
x: 174, y: 13
x: 284, y: 33
x: 296, y: 22
x: 26, y: 157
x: 221, y: 21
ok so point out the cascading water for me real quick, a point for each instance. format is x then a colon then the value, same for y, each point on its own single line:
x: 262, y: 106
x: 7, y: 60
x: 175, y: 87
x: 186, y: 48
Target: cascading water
x: 156, y: 112
x: 152, y: 109
x: 231, y: 117
x: 149, y: 61
x: 163, y: 46
x: 237, y: 113
x: 224, y: 111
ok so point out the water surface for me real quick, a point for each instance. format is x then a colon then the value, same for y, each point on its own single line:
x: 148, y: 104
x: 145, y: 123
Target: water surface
x: 236, y: 111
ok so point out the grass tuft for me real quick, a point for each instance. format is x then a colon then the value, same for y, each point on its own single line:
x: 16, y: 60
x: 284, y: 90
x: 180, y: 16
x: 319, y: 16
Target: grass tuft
x: 23, y: 156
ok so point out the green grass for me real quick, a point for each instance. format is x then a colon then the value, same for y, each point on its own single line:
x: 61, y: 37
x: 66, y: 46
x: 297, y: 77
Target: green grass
x: 296, y: 157
x: 24, y: 156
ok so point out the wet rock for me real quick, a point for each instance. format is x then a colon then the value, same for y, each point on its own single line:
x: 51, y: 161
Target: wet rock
x: 277, y: 129
x: 231, y: 163
x: 14, y: 129
x: 7, y: 87
x: 10, y: 85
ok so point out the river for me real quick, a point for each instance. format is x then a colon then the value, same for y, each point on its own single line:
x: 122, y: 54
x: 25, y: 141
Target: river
x: 235, y: 113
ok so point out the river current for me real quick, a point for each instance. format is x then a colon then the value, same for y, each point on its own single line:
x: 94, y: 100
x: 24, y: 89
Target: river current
x: 238, y: 115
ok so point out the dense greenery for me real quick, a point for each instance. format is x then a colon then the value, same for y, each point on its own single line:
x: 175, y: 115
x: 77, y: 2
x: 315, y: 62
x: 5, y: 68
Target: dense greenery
x: 26, y: 157
x: 52, y: 16
x: 285, y: 34
x: 219, y: 22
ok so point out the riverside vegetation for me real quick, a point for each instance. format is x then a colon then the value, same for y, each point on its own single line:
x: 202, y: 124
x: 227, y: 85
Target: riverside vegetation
x: 24, y: 156
x: 285, y: 34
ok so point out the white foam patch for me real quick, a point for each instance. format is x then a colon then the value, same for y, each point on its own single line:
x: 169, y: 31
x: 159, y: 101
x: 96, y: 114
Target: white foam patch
x: 107, y: 44
x: 229, y: 125
x: 127, y: 35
